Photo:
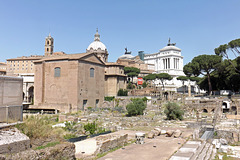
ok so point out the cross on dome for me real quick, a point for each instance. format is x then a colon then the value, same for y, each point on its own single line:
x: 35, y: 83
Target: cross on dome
x: 97, y: 36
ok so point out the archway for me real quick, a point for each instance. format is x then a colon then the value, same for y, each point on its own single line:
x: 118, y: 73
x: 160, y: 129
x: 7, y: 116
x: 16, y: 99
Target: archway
x: 166, y: 95
x: 31, y: 94
x: 204, y: 111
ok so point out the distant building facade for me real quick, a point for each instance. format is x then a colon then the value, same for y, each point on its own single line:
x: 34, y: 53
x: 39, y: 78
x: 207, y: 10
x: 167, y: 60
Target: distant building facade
x: 169, y: 60
x: 3, y: 68
x: 24, y: 67
x: 69, y: 82
x: 115, y: 78
x: 129, y: 60
x: 19, y: 65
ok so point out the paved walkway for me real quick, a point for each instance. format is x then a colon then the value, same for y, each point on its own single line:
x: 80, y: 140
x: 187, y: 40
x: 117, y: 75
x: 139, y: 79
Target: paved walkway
x: 160, y: 148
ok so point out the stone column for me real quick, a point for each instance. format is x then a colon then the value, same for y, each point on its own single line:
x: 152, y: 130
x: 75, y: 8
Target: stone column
x: 189, y: 88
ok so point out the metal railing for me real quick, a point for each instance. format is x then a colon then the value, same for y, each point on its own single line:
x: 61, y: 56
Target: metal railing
x: 10, y: 114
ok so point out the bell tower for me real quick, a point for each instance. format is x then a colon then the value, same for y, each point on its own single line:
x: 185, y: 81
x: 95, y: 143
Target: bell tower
x: 48, y: 45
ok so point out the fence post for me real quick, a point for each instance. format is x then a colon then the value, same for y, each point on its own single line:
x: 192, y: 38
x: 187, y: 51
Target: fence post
x: 21, y: 113
x: 7, y: 113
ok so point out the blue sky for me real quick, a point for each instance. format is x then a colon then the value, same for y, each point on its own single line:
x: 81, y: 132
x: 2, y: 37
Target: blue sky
x: 196, y: 26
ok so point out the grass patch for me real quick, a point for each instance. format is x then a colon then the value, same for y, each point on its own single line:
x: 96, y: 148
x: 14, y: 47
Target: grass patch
x: 50, y: 144
x: 69, y: 136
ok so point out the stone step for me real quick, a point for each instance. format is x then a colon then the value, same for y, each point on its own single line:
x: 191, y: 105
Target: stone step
x: 187, y: 151
x: 195, y: 156
x: 209, y: 152
x: 182, y: 156
x: 202, y: 155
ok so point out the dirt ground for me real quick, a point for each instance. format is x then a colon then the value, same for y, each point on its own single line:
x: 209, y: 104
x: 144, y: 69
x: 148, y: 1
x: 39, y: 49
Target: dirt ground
x: 159, y: 148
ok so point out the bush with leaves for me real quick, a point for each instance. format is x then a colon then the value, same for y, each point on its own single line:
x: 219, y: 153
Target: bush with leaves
x: 144, y: 99
x: 173, y: 111
x: 91, y: 127
x: 109, y: 98
x: 130, y: 85
x: 122, y: 92
x: 136, y: 107
x: 144, y: 85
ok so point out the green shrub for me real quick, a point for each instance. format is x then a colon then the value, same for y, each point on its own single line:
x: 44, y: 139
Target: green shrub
x: 144, y: 99
x: 173, y: 111
x: 122, y: 92
x: 109, y: 98
x: 69, y: 126
x: 136, y: 107
x: 130, y: 85
x: 69, y: 136
x: 144, y: 85
x: 91, y: 127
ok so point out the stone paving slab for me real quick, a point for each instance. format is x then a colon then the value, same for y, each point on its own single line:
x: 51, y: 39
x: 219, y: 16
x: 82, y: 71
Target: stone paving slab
x: 159, y: 148
x: 189, y: 148
x: 182, y: 156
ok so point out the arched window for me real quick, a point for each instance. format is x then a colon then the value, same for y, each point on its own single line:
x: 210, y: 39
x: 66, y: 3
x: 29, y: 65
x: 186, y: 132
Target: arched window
x: 57, y: 72
x: 91, y: 72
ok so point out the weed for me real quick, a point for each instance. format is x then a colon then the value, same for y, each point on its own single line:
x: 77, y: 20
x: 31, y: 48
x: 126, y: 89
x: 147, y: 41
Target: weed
x: 50, y: 144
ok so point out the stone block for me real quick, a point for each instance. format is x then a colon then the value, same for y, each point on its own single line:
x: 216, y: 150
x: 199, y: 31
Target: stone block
x: 151, y: 135
x: 62, y: 118
x: 169, y: 133
x: 235, y: 137
x: 163, y: 132
x: 177, y: 133
x: 158, y: 131
x: 223, y: 141
x: 84, y: 120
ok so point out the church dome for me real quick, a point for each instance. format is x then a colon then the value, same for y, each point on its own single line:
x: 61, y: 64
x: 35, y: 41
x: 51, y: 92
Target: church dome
x: 97, y: 44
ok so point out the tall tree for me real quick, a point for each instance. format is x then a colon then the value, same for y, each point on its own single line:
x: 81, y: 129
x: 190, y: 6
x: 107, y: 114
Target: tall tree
x: 131, y: 72
x: 234, y: 46
x: 183, y: 79
x: 163, y: 77
x: 150, y: 77
x: 204, y: 65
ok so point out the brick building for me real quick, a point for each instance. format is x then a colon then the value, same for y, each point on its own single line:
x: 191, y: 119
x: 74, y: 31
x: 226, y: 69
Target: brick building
x: 69, y: 82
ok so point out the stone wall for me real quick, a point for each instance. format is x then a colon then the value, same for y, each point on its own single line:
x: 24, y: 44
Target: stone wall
x: 108, y: 142
x: 230, y: 136
x: 61, y: 151
x: 11, y: 91
x: 11, y: 97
